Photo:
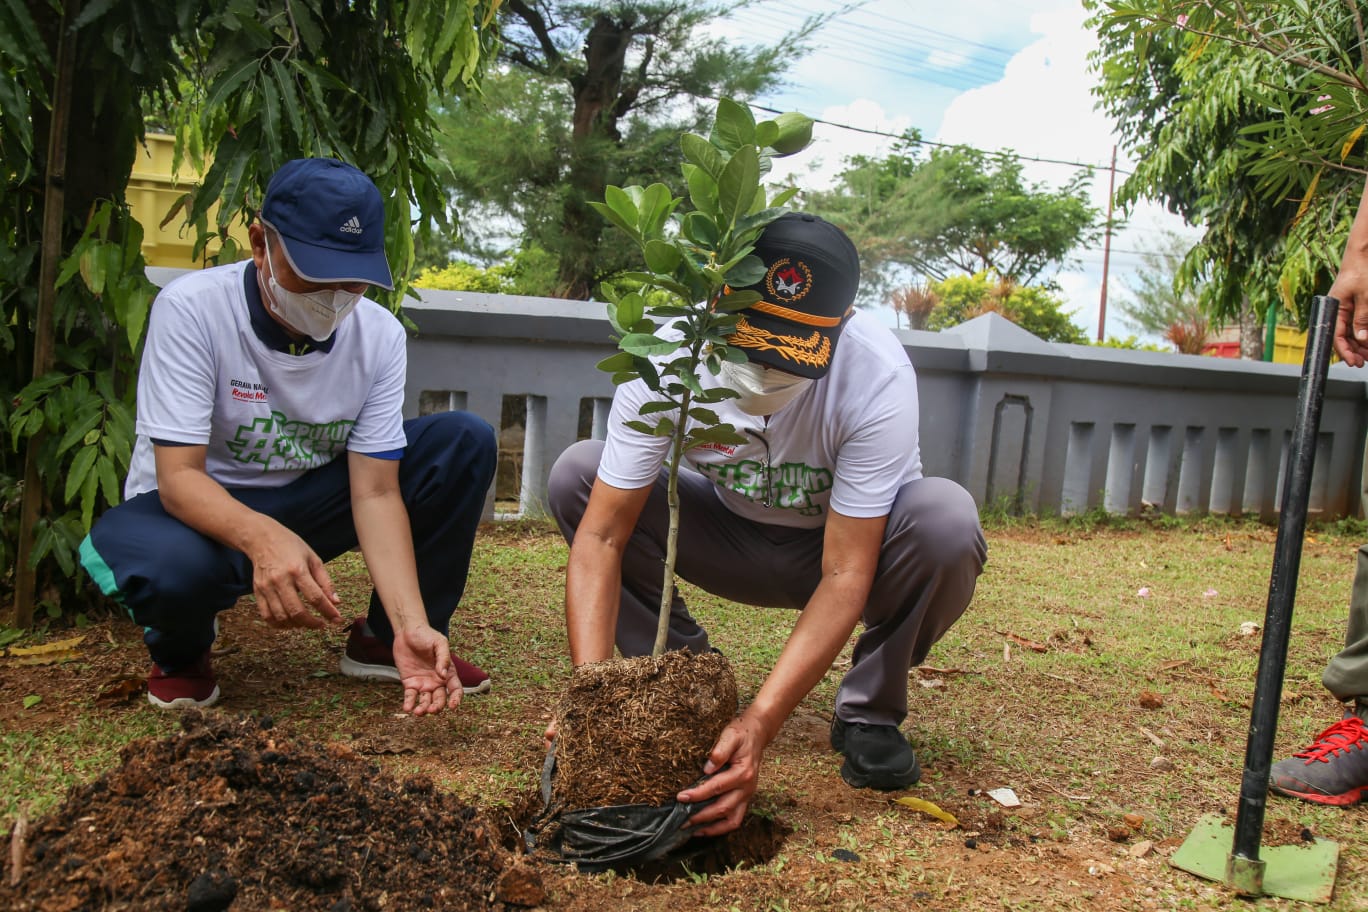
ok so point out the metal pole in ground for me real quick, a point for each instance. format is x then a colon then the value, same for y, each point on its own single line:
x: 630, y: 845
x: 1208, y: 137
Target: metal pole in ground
x: 1244, y: 869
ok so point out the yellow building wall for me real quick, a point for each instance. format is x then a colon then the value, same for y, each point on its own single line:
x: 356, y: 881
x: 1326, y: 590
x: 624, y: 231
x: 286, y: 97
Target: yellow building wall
x: 152, y: 191
x: 1289, y: 346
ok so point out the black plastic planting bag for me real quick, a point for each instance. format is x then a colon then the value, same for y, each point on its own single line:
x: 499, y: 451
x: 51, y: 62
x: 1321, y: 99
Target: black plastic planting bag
x: 617, y: 836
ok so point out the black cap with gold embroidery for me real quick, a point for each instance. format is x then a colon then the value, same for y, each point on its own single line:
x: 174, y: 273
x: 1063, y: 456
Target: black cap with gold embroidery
x: 812, y: 272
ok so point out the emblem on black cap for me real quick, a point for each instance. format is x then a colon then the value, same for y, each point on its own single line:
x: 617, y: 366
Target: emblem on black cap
x: 788, y: 279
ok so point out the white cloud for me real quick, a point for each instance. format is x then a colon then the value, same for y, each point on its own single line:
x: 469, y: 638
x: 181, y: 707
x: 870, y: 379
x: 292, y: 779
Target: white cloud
x: 817, y: 166
x: 1043, y: 108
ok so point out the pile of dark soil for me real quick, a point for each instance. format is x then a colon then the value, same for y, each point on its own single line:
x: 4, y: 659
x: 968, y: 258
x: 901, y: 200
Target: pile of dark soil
x: 638, y: 731
x: 234, y: 814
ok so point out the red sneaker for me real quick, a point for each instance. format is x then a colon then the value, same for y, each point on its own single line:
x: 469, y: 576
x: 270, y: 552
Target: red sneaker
x: 193, y: 685
x: 371, y: 660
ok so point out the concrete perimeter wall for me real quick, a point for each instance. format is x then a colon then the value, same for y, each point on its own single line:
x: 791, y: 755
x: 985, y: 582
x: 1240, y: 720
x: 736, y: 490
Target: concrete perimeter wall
x: 1020, y: 423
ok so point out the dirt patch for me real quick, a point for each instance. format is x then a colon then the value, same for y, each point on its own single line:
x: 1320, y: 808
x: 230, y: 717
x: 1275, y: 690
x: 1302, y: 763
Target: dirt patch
x: 233, y: 813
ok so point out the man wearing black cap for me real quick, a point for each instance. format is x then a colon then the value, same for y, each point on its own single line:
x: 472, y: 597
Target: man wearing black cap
x: 824, y: 510
x: 271, y: 439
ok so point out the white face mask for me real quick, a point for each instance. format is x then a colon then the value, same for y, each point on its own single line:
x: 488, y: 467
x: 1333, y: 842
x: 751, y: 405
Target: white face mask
x: 763, y: 392
x: 316, y: 314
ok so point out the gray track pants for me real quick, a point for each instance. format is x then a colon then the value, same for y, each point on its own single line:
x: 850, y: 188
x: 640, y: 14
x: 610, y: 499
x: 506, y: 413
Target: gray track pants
x: 933, y: 552
x: 1347, y: 674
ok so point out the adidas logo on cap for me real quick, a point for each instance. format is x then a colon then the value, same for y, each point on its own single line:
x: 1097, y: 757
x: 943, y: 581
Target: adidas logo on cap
x: 351, y: 225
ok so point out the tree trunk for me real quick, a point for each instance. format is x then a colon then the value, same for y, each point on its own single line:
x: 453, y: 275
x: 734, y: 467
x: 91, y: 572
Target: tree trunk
x: 598, y: 107
x: 1251, y: 333
x: 54, y: 205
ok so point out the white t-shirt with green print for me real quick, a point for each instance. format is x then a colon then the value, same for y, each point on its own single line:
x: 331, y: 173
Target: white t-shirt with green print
x: 847, y: 443
x: 266, y: 416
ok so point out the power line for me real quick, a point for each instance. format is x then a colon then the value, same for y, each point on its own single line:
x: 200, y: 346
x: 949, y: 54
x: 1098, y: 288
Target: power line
x: 943, y: 145
x: 842, y: 38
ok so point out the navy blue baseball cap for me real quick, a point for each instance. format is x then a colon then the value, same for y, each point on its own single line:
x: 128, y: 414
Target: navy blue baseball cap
x: 331, y: 221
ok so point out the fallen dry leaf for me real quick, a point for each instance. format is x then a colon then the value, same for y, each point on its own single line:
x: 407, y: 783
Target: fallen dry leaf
x: 1155, y: 739
x: 1150, y: 700
x: 926, y: 807
x: 1022, y: 641
x: 55, y: 646
x: 120, y: 690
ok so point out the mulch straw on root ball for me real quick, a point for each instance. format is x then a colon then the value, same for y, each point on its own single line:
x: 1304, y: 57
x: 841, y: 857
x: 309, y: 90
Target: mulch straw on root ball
x: 231, y: 813
x: 638, y: 731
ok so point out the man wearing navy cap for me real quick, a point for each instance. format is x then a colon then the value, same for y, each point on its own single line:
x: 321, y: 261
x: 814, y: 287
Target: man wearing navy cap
x: 824, y: 510
x: 271, y: 440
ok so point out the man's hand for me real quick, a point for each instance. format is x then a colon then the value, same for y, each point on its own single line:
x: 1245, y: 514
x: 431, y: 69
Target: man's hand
x: 291, y: 585
x: 423, y: 658
x: 1351, y: 289
x: 734, y: 768
x: 1351, y: 323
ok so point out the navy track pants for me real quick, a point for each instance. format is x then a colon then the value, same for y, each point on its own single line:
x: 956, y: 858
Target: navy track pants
x: 173, y: 580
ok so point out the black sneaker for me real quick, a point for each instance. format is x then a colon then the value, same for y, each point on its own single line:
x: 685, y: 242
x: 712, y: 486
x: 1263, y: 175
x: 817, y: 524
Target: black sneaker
x: 876, y: 756
x: 1333, y: 770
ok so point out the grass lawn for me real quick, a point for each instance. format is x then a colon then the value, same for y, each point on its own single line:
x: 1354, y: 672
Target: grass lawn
x: 1104, y: 673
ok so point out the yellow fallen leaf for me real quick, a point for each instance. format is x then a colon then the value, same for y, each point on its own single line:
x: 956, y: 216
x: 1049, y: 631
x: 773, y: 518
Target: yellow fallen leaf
x: 48, y: 658
x: 926, y: 807
x: 58, y: 646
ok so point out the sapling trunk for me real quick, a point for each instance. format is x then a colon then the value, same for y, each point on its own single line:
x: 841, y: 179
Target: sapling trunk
x: 672, y: 536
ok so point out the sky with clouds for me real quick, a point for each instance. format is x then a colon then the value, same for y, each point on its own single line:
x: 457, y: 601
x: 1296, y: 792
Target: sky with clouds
x: 993, y: 74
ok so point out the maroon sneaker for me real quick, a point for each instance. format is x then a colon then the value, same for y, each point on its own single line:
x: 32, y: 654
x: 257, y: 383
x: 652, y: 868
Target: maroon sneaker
x: 192, y: 685
x: 371, y: 660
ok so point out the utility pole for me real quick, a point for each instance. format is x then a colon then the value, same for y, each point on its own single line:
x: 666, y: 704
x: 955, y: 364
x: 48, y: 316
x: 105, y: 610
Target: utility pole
x: 1106, y: 253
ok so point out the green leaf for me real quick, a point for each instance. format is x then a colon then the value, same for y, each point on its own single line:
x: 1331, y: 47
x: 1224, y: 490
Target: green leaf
x: 650, y: 408
x: 654, y: 207
x: 622, y: 201
x: 93, y: 263
x: 734, y: 126
x: 613, y: 216
x: 661, y: 256
x: 109, y: 481
x: 80, y: 468
x: 32, y: 700
x: 704, y: 154
x: 738, y: 300
x: 626, y: 313
x: 645, y: 345
x: 750, y: 270
x: 722, y: 433
x: 702, y: 188
x: 759, y: 219
x: 78, y: 431
x: 617, y: 362
x: 89, y: 488
x: 132, y: 308
x: 662, y: 428
x: 738, y: 185
x: 701, y: 229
